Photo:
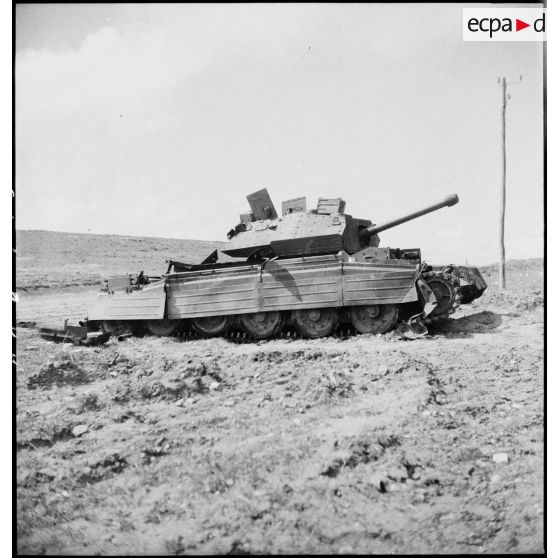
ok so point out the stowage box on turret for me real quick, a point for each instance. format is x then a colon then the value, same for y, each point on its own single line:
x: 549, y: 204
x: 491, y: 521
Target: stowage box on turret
x: 312, y: 272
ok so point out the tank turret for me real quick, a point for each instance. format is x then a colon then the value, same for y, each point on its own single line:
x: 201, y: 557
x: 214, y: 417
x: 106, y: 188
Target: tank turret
x: 298, y: 232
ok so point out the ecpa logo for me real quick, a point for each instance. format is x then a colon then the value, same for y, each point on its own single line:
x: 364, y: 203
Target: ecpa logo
x: 504, y: 24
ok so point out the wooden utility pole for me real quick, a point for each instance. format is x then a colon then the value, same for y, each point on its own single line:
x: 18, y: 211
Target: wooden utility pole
x: 503, y: 190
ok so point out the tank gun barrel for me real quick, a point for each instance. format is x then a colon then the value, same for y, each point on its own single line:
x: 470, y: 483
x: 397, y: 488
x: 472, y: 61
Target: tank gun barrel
x: 375, y: 229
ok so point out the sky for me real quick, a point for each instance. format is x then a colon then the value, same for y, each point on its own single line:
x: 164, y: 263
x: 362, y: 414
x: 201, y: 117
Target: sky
x: 158, y: 120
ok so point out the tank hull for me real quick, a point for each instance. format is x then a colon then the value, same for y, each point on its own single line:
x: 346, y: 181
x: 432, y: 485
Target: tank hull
x: 284, y: 289
x: 314, y: 282
x: 298, y: 283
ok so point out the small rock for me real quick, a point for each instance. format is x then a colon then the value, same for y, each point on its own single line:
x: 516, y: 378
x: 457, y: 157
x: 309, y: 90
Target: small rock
x: 47, y: 474
x: 380, y: 483
x: 382, y: 369
x: 228, y: 403
x: 52, y: 500
x: 180, y: 403
x: 500, y: 458
x: 426, y: 413
x: 397, y: 474
x: 79, y: 430
x: 229, y: 482
x: 297, y: 421
x: 216, y: 386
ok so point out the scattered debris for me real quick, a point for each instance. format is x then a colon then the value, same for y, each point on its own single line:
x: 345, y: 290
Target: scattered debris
x: 216, y: 386
x: 124, y: 336
x: 412, y: 330
x: 77, y: 335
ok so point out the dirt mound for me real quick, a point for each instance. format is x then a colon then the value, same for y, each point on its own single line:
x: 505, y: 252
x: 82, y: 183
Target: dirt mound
x: 364, y: 449
x: 59, y: 374
x: 103, y: 469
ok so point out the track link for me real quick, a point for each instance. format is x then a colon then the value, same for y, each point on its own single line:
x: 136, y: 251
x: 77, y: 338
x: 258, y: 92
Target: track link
x: 237, y: 335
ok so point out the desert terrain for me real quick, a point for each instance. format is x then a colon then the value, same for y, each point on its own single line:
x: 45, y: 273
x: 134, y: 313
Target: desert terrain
x: 367, y: 444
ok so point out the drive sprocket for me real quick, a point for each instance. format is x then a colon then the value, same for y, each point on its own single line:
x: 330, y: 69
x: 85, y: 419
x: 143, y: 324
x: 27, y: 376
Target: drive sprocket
x: 445, y: 285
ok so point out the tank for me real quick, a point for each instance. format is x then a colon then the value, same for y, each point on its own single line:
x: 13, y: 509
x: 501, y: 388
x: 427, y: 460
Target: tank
x: 310, y: 272
x: 325, y: 230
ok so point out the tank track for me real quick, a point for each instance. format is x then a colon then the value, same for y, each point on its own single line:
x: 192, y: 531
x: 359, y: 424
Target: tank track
x: 238, y: 335
x: 235, y: 334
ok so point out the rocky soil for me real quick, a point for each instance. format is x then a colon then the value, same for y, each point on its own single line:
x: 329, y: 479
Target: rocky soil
x: 371, y: 444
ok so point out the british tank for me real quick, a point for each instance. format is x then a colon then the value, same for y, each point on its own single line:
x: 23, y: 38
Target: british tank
x: 309, y: 273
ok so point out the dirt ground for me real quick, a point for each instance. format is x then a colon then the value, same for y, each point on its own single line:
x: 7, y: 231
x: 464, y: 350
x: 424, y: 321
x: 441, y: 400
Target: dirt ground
x: 370, y: 444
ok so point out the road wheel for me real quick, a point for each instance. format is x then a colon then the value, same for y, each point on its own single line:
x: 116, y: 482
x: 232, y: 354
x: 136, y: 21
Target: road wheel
x: 374, y: 318
x: 262, y: 325
x: 161, y: 328
x: 212, y: 326
x: 315, y: 322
